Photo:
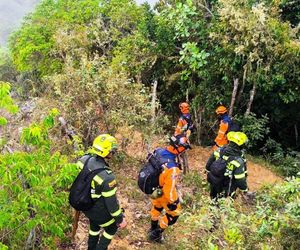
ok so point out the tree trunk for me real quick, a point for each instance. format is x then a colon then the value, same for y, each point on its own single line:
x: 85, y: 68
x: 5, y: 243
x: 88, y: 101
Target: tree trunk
x: 252, y: 94
x: 233, y: 96
x: 75, y: 224
x: 102, y: 113
x: 184, y: 162
x: 31, y: 239
x: 153, y: 102
x: 198, y: 124
x: 243, y: 85
x: 187, y: 95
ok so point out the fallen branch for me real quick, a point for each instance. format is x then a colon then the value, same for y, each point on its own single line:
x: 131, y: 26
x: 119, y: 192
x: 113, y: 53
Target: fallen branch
x: 69, y: 132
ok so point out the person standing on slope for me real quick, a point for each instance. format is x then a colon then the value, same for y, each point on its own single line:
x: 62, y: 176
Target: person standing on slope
x: 166, y: 196
x: 184, y: 127
x: 185, y: 124
x: 221, y: 139
x: 225, y: 178
x: 106, y: 213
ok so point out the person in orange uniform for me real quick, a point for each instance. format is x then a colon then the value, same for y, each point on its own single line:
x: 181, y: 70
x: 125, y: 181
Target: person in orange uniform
x: 221, y: 139
x: 166, y: 197
x: 185, y: 123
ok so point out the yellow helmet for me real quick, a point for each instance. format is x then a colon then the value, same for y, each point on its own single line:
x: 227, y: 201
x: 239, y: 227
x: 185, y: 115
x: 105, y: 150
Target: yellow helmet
x: 103, y: 145
x: 239, y: 138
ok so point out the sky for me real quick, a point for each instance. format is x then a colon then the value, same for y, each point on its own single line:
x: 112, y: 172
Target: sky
x: 12, y: 12
x: 151, y: 2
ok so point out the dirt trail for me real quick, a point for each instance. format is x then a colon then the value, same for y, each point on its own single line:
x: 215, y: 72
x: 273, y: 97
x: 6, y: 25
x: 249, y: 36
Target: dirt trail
x: 135, y: 211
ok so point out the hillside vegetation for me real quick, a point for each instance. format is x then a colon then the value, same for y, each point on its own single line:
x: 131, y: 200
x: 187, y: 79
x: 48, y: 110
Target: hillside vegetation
x: 117, y: 67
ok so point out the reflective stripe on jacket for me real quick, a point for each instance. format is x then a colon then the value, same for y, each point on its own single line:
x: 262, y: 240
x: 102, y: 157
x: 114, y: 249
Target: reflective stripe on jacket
x: 221, y: 138
x: 168, y: 180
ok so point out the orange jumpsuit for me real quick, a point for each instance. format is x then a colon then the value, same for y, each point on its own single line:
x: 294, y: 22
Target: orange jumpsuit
x: 221, y: 138
x: 184, y: 125
x: 169, y: 201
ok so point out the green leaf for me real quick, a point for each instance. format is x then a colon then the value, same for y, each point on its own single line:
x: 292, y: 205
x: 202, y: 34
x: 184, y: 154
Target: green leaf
x: 3, y: 121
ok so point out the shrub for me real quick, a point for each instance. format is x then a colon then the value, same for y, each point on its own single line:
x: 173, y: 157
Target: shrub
x: 255, y: 128
x: 287, y: 163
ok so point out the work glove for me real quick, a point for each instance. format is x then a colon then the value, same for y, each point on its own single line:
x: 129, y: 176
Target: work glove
x: 157, y: 193
x: 188, y: 133
x: 123, y: 224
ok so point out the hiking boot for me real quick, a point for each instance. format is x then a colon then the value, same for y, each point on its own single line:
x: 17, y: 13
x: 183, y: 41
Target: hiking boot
x: 156, y: 235
x: 154, y: 225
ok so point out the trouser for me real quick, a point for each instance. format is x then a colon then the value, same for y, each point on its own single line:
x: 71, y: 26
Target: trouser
x: 232, y: 191
x: 222, y: 190
x: 216, y: 191
x: 109, y: 230
x: 171, y: 216
x: 184, y: 161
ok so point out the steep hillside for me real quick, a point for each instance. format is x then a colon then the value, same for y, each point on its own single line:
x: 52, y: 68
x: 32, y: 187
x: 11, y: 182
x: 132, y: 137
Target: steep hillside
x: 201, y: 225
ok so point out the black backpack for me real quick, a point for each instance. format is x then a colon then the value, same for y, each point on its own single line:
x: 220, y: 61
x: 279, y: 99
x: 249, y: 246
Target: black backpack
x: 148, y: 179
x: 217, y: 170
x: 233, y: 126
x: 80, y: 191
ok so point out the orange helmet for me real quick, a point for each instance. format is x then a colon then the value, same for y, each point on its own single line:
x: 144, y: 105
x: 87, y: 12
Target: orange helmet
x: 184, y: 107
x: 178, y: 144
x: 221, y: 110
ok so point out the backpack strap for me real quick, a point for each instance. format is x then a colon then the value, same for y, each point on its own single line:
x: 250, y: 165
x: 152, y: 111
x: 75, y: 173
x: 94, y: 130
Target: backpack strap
x: 189, y: 122
x: 95, y: 170
x: 86, y: 161
x: 92, y: 174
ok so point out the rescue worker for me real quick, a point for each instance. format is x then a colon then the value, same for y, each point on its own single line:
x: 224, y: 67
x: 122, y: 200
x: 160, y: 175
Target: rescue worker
x: 184, y: 127
x: 221, y: 139
x: 106, y: 212
x: 185, y: 124
x: 166, y: 197
x: 235, y: 170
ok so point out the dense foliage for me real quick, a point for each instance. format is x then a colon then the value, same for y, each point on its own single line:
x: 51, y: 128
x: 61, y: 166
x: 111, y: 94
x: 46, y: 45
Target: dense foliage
x: 195, y: 50
x: 33, y: 191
